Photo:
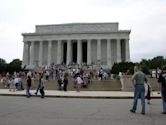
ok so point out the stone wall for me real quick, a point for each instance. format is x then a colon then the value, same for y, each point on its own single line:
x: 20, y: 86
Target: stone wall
x: 129, y: 87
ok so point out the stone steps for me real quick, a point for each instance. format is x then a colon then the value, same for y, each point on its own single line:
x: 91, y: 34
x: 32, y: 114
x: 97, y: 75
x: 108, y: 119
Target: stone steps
x: 96, y: 85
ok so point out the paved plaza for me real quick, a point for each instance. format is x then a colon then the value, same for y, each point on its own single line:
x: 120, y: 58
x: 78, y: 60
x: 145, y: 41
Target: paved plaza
x: 74, y: 111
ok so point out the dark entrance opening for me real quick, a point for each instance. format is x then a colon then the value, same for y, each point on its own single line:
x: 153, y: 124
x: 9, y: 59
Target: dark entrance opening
x: 64, y: 52
x: 84, y: 52
x: 74, y: 52
x: 123, y: 51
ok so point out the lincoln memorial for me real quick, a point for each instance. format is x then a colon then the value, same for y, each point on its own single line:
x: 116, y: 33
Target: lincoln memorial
x: 79, y: 43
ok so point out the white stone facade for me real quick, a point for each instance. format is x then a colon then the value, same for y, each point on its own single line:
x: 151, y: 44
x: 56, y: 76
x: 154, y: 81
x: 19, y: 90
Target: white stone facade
x: 90, y: 43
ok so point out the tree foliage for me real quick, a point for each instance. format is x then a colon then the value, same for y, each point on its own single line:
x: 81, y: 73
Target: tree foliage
x: 3, y: 65
x: 2, y: 61
x: 15, y: 65
x: 126, y: 67
x: 156, y: 62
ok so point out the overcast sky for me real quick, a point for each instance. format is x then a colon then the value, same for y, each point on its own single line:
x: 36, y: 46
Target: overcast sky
x: 145, y: 18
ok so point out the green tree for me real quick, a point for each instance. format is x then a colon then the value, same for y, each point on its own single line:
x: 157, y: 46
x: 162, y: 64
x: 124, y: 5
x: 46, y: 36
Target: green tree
x: 145, y: 69
x: 123, y: 67
x: 15, y: 65
x: 2, y: 61
x: 3, y: 65
x: 154, y: 63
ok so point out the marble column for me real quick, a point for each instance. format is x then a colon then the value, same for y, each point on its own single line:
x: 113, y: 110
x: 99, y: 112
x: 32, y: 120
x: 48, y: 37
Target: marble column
x: 49, y: 60
x: 68, y: 52
x: 89, y: 58
x: 25, y: 55
x: 59, y: 53
x: 79, y: 52
x: 109, y: 52
x: 40, y: 53
x: 118, y: 52
x: 99, y: 51
x: 32, y: 54
x: 127, y: 49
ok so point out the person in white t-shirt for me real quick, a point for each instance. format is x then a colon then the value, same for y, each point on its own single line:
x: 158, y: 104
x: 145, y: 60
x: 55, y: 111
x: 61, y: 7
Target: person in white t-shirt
x: 79, y: 81
x: 121, y: 80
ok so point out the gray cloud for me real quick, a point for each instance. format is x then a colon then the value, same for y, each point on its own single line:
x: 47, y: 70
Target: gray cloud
x: 145, y: 18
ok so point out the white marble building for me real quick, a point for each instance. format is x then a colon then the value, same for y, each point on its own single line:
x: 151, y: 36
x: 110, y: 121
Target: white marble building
x: 91, y: 43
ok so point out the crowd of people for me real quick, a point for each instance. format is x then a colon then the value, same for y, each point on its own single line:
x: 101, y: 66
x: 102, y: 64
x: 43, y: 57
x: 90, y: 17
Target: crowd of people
x: 82, y: 78
x: 25, y: 79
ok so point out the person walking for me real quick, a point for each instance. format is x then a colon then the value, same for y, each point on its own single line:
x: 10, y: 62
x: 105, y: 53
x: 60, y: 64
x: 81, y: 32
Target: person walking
x: 12, y: 85
x: 121, y: 80
x: 79, y: 82
x: 38, y: 87
x: 65, y: 81
x: 148, y: 92
x: 42, y: 85
x: 162, y: 87
x: 29, y: 82
x: 138, y: 80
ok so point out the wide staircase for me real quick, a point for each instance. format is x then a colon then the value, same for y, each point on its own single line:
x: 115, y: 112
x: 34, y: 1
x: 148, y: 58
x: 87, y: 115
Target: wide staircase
x: 94, y: 85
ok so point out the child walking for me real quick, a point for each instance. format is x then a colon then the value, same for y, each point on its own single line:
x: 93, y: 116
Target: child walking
x: 148, y: 93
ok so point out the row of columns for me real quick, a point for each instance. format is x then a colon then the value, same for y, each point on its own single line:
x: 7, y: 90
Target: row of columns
x: 30, y: 57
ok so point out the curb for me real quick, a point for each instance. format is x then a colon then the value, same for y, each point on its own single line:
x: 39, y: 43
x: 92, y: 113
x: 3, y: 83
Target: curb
x: 80, y: 97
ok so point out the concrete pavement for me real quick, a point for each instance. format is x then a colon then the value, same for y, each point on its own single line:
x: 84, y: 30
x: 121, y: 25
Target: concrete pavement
x: 77, y: 111
x: 74, y: 94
